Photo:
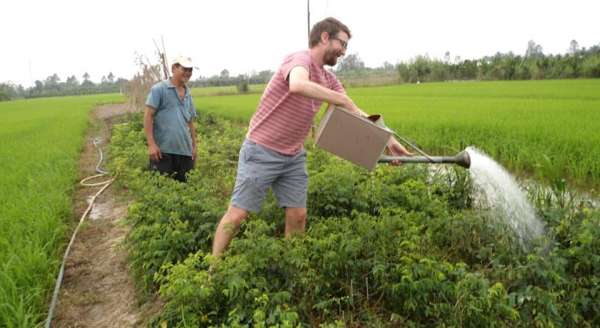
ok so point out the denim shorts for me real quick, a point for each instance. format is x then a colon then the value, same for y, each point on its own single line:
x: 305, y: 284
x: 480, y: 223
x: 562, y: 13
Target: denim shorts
x: 260, y: 168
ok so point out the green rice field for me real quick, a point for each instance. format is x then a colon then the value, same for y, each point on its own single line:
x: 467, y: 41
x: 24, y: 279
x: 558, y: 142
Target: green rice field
x: 40, y: 144
x: 225, y: 90
x: 549, y: 129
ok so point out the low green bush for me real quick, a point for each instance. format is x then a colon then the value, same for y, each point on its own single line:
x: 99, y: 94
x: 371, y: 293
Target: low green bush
x: 398, y: 246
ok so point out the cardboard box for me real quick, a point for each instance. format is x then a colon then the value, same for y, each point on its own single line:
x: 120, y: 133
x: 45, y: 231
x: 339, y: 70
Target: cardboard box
x: 352, y: 137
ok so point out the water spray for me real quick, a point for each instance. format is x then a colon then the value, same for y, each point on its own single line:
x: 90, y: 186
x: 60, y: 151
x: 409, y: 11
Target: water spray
x: 494, y: 188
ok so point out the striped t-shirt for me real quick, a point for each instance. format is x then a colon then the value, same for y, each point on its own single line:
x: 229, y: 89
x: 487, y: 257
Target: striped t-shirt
x: 283, y: 120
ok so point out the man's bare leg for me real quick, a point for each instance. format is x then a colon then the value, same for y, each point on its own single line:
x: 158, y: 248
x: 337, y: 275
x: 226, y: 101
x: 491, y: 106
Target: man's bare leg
x: 295, y: 220
x: 227, y: 228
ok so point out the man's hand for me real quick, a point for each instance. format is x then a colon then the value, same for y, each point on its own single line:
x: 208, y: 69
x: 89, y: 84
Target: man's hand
x: 154, y: 152
x: 194, y: 153
x: 396, y: 149
x: 351, y: 106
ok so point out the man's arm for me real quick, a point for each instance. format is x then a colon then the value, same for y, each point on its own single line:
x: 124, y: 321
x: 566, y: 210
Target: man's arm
x: 193, y: 135
x: 153, y: 150
x: 301, y: 84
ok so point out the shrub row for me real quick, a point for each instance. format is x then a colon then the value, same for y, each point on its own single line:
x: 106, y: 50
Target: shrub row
x: 392, y: 247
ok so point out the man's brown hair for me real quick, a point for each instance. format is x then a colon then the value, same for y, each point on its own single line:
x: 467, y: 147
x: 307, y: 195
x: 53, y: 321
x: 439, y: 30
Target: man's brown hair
x: 330, y: 25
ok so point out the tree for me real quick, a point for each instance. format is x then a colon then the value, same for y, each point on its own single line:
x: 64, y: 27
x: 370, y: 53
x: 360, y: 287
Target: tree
x: 573, y: 47
x: 8, y: 91
x: 110, y: 78
x: 591, y: 66
x: 72, y: 82
x: 224, y: 74
x: 88, y: 85
x: 121, y: 83
x: 350, y: 63
x: 264, y: 76
x: 467, y: 70
x: 39, y: 87
x: 387, y: 66
x: 421, y: 69
x: 533, y: 50
x: 242, y: 84
x: 403, y: 72
x: 52, y: 82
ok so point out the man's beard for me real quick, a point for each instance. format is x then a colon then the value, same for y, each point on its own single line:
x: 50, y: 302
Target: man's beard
x: 330, y: 58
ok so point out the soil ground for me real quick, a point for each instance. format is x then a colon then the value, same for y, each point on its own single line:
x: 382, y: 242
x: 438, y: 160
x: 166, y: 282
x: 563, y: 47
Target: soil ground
x: 98, y: 289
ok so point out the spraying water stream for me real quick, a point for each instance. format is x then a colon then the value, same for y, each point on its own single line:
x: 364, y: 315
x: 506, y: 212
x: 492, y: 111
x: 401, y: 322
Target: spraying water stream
x: 494, y: 188
x: 497, y: 190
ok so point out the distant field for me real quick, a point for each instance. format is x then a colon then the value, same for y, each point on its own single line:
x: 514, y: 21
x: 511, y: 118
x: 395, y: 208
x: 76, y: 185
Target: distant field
x: 549, y: 129
x: 40, y: 143
x: 225, y: 90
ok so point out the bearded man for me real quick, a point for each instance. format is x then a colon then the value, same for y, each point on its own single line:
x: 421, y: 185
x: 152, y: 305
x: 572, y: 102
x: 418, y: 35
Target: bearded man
x: 272, y: 155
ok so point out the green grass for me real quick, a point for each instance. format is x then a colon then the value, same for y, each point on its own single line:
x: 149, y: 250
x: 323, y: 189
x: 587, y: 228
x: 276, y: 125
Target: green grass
x: 40, y: 144
x: 548, y: 129
x: 236, y: 107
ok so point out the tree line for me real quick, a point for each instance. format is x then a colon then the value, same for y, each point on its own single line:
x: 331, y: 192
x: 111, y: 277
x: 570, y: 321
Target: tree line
x: 578, y: 62
x: 224, y: 78
x: 53, y: 85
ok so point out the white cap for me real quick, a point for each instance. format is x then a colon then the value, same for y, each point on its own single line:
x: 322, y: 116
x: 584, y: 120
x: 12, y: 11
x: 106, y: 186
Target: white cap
x: 183, y: 61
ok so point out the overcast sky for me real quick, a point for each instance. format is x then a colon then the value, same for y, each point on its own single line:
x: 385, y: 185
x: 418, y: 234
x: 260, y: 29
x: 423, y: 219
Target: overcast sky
x: 71, y: 37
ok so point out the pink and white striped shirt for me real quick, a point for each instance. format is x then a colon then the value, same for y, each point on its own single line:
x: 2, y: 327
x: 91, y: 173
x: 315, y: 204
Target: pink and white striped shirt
x: 283, y: 120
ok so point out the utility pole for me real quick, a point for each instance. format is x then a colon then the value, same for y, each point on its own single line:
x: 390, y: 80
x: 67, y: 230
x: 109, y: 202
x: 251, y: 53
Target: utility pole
x: 308, y: 17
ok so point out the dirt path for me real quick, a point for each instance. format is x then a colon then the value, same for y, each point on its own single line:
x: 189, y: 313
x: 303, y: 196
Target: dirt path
x: 97, y: 289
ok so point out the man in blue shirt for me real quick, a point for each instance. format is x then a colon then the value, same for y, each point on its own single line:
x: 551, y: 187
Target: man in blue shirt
x: 169, y: 123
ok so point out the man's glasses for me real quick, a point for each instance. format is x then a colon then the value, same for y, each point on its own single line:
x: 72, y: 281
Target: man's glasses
x: 343, y: 43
